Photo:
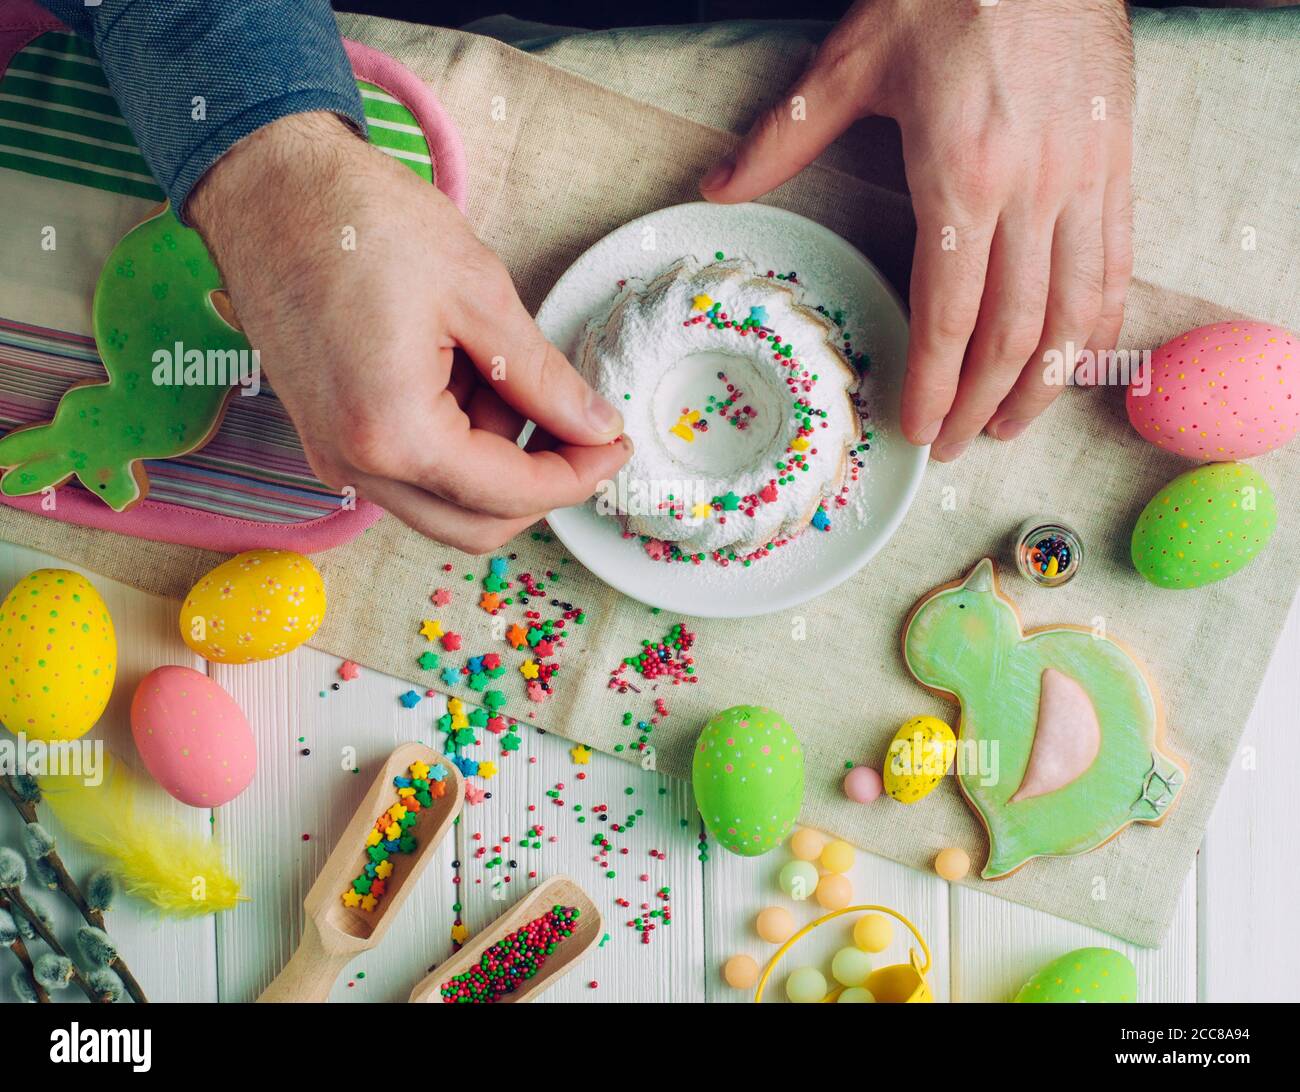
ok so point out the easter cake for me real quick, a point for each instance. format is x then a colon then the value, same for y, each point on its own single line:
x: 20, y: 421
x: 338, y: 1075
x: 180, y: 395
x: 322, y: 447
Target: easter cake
x: 738, y: 399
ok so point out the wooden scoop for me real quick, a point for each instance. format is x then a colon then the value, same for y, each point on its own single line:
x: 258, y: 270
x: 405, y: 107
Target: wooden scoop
x: 335, y: 934
x: 557, y: 891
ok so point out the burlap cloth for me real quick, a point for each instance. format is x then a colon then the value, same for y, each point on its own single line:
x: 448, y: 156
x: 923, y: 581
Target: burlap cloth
x: 567, y: 160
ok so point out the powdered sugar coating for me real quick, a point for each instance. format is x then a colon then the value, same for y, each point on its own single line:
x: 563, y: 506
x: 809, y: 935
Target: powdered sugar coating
x: 796, y: 380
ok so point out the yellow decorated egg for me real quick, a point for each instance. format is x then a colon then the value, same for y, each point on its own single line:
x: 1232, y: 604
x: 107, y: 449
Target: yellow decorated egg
x: 919, y: 755
x: 256, y: 606
x: 58, y: 656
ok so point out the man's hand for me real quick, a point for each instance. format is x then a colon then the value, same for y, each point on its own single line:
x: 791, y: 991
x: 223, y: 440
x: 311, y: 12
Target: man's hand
x: 396, y: 340
x: 1016, y: 123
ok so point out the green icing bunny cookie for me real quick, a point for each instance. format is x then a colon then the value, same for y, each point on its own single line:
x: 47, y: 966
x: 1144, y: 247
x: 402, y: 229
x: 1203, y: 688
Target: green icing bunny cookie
x: 1075, y: 720
x: 165, y: 348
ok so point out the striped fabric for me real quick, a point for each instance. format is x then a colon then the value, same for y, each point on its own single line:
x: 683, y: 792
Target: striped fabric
x: 58, y: 120
x: 254, y: 468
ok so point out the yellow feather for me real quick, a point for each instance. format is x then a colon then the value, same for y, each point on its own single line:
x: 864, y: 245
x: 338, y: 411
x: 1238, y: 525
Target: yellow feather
x: 153, y: 856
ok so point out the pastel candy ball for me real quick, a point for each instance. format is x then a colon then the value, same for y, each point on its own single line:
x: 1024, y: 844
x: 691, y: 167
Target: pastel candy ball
x: 806, y: 843
x: 952, y: 864
x: 258, y: 605
x: 837, y: 857
x: 774, y: 924
x: 834, y: 892
x: 748, y: 778
x: 59, y: 652
x: 850, y: 966
x: 873, y: 932
x: 806, y: 986
x: 1204, y: 526
x: 1222, y: 392
x: 740, y: 972
x: 862, y: 784
x: 856, y: 995
x: 1093, y: 975
x: 192, y: 737
x: 798, y: 879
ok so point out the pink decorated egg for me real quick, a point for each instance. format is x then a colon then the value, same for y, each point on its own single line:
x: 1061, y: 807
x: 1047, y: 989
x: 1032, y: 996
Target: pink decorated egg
x: 192, y: 737
x: 1220, y: 393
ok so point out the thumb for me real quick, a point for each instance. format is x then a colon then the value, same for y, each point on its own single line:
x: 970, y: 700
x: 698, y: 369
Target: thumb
x: 529, y: 373
x: 787, y: 136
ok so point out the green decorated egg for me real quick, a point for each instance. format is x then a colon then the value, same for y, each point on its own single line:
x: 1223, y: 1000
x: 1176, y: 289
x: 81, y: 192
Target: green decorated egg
x: 1204, y: 526
x: 1094, y: 975
x: 748, y: 777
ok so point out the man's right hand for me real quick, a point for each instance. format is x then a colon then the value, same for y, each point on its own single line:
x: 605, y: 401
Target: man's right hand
x: 396, y: 340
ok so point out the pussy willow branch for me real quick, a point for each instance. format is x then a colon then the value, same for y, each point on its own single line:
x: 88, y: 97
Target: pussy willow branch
x: 27, y: 809
x: 21, y: 954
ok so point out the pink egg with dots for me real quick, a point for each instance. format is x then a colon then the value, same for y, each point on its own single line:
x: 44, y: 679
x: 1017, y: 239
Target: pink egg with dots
x: 1220, y: 393
x: 192, y: 736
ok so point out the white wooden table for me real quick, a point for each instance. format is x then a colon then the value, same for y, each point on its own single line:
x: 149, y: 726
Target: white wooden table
x: 1232, y: 940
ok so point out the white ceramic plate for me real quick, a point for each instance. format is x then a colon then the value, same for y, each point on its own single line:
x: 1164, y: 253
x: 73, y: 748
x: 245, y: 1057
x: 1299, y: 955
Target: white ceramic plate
x: 834, y: 274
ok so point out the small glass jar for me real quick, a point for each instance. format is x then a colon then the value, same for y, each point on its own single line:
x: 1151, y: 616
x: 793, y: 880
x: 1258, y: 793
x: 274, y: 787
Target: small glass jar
x: 1048, y: 552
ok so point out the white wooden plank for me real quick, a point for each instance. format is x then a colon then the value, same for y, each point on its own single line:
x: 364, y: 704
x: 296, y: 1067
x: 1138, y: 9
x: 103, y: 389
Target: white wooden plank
x: 669, y: 967
x: 173, y: 960
x: 1248, y: 861
x: 997, y: 945
x: 295, y: 795
x: 737, y: 888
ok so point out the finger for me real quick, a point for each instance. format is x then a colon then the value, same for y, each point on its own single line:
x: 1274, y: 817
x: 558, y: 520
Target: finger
x: 793, y: 131
x: 463, y: 378
x: 486, y: 472
x: 948, y: 273
x: 1010, y: 325
x: 1073, y: 304
x: 487, y: 412
x: 528, y: 372
x: 473, y: 532
x: 1117, y: 238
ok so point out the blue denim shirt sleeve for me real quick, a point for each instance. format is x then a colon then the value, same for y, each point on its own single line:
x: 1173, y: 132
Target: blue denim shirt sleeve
x: 193, y: 77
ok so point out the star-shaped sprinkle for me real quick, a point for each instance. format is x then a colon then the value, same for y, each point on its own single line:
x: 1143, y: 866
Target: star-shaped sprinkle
x: 397, y: 812
x: 369, y: 903
x: 490, y: 602
x: 451, y: 641
x: 491, y: 661
x: 545, y: 647
x: 451, y: 675
x: 494, y: 583
x: 474, y: 795
x: 455, y: 705
x: 459, y: 720
x: 700, y: 303
x: 440, y: 598
x: 729, y: 501
x: 459, y: 933
x: 348, y: 670
x: 428, y: 660
x: 494, y: 700
x: 528, y: 669
x: 419, y: 770
x: 478, y: 718
x: 373, y: 838
x: 510, y: 743
x: 703, y: 510
x: 479, y: 681
x: 383, y: 870
x: 517, y: 635
x: 474, y: 664
x: 437, y: 773
x: 410, y: 699
x: 487, y: 770
x: 496, y: 725
x: 537, y: 692
x: 799, y: 443
x: 499, y: 566
x: 351, y: 898
x: 581, y: 755
x: 431, y: 629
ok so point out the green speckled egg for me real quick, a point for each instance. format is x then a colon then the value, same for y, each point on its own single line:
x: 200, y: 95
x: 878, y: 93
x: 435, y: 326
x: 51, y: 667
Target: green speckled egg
x: 1094, y: 975
x: 1204, y: 526
x: 748, y: 777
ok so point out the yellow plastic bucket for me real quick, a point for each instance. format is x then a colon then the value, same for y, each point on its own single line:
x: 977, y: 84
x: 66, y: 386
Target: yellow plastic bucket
x: 900, y: 983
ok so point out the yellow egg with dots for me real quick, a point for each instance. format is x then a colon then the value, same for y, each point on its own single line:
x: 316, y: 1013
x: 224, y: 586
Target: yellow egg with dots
x: 58, y: 656
x: 919, y: 755
x: 258, y: 605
